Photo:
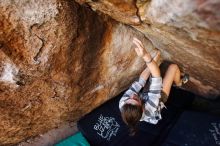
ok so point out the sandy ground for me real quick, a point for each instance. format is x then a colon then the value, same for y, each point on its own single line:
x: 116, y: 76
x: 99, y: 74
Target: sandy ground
x: 52, y: 137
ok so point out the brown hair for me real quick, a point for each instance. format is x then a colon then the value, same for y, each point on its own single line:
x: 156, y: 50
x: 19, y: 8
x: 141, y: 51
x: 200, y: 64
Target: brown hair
x: 131, y: 114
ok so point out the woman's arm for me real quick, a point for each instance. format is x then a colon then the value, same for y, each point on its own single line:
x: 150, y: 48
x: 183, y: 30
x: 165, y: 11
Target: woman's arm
x: 151, y: 64
x: 137, y: 85
x: 145, y: 74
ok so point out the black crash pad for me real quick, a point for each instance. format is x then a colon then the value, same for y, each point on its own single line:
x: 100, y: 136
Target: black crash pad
x: 195, y: 129
x: 104, y: 126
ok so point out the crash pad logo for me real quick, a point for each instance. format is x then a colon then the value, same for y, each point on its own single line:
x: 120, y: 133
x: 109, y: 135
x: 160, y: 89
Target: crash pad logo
x: 215, y: 131
x: 106, y: 127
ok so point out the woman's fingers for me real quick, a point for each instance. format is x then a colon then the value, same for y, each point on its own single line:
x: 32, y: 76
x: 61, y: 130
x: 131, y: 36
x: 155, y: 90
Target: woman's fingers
x: 135, y: 39
x: 140, y: 48
x: 138, y: 51
x: 137, y: 44
x: 138, y: 41
x: 157, y: 56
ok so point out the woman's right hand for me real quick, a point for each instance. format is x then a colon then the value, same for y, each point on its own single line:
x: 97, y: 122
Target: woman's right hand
x: 140, y: 50
x: 151, y: 64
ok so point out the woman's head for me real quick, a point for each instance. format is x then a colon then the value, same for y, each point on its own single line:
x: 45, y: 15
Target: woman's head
x: 131, y: 113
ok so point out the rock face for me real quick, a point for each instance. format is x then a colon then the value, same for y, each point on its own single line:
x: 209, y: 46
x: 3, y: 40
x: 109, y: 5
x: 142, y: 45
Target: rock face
x: 58, y: 61
x: 187, y: 32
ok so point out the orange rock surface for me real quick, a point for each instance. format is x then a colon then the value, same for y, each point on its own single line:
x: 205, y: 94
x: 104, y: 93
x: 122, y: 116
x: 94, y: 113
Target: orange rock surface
x: 59, y: 59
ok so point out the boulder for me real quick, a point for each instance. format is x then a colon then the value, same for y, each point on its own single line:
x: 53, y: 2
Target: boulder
x: 58, y: 61
x: 187, y: 33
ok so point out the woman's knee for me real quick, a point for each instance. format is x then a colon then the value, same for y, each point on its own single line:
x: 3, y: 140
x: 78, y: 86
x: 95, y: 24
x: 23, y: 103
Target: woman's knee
x: 173, y: 67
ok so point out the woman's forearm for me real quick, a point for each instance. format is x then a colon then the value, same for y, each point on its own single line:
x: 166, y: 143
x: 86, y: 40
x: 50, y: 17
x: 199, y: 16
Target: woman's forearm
x: 152, y: 65
x: 145, y: 74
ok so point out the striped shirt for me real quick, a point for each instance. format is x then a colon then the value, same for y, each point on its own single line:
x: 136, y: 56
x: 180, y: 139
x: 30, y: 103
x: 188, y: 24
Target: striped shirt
x: 151, y: 99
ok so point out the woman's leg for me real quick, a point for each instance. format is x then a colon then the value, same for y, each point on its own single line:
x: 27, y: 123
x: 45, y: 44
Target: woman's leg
x: 172, y: 75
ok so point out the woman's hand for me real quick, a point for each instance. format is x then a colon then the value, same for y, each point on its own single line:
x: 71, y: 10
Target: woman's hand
x: 141, y: 51
x: 151, y: 64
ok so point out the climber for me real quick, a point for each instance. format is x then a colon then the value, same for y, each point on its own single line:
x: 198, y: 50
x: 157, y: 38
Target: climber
x: 138, y: 106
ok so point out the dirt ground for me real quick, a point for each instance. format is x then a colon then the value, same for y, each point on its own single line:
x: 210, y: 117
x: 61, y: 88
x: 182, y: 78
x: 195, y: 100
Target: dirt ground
x: 52, y: 137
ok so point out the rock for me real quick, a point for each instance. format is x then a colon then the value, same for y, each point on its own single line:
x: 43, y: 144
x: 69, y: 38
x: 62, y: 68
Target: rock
x: 187, y: 33
x: 123, y: 10
x: 58, y: 61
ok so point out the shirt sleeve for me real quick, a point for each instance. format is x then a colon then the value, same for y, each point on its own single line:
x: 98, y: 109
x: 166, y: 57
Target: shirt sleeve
x: 152, y: 105
x: 155, y: 85
x: 133, y: 89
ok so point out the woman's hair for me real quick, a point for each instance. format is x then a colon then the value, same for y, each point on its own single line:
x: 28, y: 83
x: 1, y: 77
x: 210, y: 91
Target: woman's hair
x: 131, y: 114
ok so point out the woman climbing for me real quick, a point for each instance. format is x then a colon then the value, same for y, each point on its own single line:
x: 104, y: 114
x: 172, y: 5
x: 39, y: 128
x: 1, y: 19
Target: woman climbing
x: 147, y: 106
